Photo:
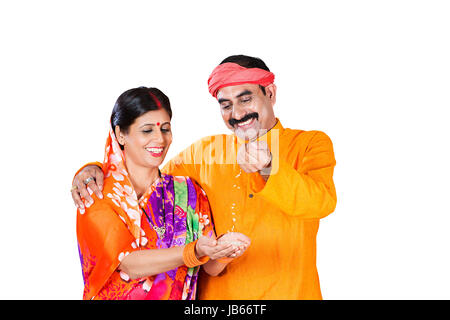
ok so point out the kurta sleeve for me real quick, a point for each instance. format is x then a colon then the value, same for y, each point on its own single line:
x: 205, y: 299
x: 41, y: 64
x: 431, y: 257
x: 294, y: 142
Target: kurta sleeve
x: 304, y: 188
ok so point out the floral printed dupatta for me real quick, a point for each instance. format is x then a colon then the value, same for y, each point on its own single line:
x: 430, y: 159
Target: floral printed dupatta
x: 120, y: 223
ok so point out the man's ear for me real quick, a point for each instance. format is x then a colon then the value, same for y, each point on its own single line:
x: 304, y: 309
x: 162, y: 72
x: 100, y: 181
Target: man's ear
x: 271, y: 92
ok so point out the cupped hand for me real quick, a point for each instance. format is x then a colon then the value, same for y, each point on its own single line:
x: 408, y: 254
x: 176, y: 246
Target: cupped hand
x: 236, y: 238
x: 239, y: 240
x: 210, y: 247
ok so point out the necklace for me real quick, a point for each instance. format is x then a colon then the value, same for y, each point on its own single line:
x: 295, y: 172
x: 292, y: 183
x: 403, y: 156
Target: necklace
x: 159, y: 230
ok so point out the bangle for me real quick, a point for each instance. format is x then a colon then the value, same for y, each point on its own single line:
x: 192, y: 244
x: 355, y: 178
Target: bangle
x: 189, y: 257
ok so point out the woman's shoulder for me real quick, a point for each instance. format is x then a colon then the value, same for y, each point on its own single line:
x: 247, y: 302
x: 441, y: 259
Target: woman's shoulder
x: 179, y: 179
x: 184, y: 179
x: 190, y: 182
x: 99, y: 208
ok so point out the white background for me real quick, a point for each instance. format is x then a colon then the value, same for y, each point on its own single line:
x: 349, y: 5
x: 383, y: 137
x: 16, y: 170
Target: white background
x: 374, y: 75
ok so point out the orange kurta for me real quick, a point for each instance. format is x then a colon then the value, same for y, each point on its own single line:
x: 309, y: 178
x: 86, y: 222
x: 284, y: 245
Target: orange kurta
x: 281, y: 216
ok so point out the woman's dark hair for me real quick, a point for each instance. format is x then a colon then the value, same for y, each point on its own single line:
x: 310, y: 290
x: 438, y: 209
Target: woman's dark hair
x: 248, y: 62
x: 133, y: 103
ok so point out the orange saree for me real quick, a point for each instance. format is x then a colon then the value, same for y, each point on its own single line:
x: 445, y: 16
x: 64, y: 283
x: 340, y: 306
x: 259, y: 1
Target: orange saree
x: 120, y: 223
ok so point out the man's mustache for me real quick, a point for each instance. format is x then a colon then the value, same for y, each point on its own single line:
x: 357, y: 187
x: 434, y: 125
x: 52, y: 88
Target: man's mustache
x: 249, y: 116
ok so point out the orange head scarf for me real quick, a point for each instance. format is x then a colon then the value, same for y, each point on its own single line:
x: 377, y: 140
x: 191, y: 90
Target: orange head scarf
x: 232, y: 74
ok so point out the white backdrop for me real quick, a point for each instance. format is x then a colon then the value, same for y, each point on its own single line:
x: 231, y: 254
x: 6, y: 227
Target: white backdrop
x: 374, y: 75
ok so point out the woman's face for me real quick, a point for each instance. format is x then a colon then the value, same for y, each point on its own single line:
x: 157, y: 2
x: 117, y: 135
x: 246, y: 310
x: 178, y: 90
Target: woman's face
x: 148, y: 139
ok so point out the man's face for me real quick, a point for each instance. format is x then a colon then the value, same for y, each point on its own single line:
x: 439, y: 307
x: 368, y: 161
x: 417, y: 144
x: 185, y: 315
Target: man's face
x: 246, y: 110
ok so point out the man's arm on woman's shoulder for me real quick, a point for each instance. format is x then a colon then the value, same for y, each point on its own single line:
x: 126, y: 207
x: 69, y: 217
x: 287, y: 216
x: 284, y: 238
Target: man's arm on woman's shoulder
x: 79, y: 189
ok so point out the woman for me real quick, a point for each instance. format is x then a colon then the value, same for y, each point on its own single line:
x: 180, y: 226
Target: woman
x: 151, y: 233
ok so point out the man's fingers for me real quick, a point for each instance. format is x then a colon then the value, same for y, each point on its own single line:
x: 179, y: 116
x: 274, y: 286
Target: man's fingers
x: 259, y: 150
x: 253, y: 159
x: 77, y: 200
x: 99, y: 180
x: 94, y: 187
x: 253, y: 156
x: 258, y: 145
x: 76, y: 196
x: 247, y: 163
x: 259, y: 156
x: 85, y: 194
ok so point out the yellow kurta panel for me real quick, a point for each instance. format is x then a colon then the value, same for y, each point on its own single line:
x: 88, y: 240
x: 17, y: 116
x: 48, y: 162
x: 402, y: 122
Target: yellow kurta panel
x: 281, y: 216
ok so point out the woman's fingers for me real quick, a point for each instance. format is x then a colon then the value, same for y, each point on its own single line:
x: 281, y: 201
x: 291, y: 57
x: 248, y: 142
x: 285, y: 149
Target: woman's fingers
x: 224, y: 251
x: 229, y: 245
x: 236, y: 238
x: 239, y: 251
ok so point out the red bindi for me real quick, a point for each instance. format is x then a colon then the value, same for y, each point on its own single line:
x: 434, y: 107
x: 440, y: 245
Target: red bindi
x: 157, y: 123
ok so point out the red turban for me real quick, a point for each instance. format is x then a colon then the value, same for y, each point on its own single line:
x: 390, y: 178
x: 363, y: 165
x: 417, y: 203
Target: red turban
x: 232, y: 74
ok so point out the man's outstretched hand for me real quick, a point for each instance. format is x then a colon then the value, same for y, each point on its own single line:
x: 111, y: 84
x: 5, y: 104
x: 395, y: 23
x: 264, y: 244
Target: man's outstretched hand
x: 94, y: 175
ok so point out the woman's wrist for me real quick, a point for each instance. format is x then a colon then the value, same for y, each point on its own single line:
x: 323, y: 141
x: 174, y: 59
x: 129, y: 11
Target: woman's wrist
x: 190, y: 258
x: 198, y: 252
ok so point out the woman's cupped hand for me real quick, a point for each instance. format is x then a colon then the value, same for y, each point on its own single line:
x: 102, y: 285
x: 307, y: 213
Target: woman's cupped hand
x: 229, y: 245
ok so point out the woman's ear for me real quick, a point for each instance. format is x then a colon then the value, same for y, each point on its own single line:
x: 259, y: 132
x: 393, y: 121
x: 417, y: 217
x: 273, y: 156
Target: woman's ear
x: 119, y: 135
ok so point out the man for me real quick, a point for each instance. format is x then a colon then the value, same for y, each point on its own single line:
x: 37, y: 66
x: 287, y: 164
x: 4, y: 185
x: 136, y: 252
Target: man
x: 268, y: 182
